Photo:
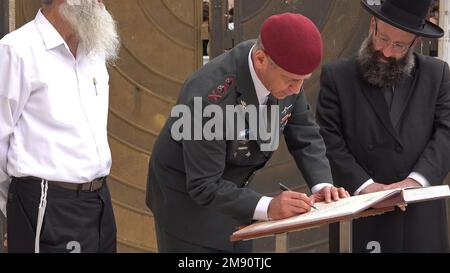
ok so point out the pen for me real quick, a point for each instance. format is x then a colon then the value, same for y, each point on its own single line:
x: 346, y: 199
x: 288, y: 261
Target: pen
x: 285, y: 188
x: 95, y: 85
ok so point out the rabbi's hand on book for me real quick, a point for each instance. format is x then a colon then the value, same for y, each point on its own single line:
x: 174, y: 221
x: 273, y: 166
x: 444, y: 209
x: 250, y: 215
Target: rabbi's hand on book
x: 407, y: 183
x: 374, y: 187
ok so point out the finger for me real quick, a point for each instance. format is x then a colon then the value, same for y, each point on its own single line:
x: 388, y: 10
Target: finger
x: 318, y: 196
x: 299, y: 207
x: 348, y: 194
x: 301, y: 196
x: 290, y: 211
x: 302, y: 210
x: 335, y: 193
x: 402, y: 207
x: 342, y: 193
x: 301, y: 204
x: 327, y: 194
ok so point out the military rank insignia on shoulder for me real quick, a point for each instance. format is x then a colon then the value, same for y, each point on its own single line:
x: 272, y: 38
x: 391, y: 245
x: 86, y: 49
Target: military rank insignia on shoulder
x: 219, y: 92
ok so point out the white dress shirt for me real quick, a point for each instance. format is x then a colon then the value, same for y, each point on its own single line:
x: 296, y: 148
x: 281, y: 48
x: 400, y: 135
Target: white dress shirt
x: 53, y: 109
x: 263, y: 95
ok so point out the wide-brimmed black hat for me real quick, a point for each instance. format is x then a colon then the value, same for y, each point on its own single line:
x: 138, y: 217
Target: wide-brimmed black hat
x: 407, y: 15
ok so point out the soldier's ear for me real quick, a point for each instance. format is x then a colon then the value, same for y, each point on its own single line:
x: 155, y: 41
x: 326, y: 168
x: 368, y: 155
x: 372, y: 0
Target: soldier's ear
x: 260, y: 59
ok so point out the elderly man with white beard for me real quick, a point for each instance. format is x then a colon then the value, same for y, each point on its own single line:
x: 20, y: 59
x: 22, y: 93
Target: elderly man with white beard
x: 54, y: 153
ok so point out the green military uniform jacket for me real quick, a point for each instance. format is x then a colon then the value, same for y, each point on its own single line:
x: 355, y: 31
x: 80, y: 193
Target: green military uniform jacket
x: 197, y: 189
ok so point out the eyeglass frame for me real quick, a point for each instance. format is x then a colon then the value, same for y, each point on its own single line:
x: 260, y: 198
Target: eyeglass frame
x: 394, y: 46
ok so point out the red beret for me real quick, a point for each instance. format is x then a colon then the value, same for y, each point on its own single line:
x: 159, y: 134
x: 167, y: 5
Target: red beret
x: 293, y: 42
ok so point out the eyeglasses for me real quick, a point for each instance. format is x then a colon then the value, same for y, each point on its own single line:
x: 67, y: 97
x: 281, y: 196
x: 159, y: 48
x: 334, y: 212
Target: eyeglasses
x: 385, y: 42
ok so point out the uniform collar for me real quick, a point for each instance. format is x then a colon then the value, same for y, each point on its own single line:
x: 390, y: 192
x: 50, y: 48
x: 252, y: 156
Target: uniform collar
x: 50, y: 36
x: 261, y: 91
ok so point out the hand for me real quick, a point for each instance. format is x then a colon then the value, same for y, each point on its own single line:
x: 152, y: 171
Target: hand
x: 288, y: 204
x: 408, y: 182
x: 374, y: 188
x: 329, y: 194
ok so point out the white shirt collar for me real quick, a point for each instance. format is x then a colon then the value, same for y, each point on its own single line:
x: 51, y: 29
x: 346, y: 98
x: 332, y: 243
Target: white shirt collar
x: 261, y: 91
x: 49, y: 34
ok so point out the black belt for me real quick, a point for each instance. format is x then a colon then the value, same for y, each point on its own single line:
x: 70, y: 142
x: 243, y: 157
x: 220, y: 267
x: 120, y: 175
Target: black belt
x: 92, y: 186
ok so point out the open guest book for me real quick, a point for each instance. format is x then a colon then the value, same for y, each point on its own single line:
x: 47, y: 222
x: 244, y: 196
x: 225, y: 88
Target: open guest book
x: 342, y: 209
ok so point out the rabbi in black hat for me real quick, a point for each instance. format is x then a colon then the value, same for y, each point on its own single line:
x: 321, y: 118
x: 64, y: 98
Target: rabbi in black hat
x: 385, y: 118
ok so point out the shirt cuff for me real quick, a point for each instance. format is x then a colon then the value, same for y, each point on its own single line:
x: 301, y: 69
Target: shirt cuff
x: 365, y: 185
x: 320, y: 187
x: 419, y: 178
x: 262, y: 209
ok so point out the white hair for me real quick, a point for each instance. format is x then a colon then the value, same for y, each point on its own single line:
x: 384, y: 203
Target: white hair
x: 94, y: 26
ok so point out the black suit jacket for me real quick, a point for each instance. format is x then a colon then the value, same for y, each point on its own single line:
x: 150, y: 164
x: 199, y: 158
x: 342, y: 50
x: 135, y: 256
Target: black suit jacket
x: 363, y: 141
x: 203, y: 196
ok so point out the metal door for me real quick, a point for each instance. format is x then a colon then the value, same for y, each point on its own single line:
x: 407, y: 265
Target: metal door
x: 161, y: 46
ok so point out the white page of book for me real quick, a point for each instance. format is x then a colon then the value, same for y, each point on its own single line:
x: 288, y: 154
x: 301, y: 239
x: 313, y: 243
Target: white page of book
x: 424, y: 194
x: 343, y: 207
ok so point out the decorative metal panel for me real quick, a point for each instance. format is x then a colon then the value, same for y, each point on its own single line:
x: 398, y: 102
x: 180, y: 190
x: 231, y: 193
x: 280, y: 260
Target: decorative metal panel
x: 161, y: 46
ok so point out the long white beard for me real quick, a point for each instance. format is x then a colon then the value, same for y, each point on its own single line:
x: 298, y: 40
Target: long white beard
x: 94, y: 26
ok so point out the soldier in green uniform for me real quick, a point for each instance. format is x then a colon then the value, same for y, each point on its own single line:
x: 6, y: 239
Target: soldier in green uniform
x: 197, y: 188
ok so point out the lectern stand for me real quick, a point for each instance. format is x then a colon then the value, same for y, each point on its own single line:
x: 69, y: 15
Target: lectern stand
x: 345, y: 231
x: 343, y: 211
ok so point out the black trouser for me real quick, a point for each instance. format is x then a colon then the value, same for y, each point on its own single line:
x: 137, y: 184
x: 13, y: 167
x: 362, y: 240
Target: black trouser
x: 171, y: 244
x: 168, y: 243
x: 74, y: 221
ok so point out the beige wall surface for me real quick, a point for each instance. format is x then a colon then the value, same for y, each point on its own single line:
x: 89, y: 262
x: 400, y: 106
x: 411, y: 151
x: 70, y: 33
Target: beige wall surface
x: 161, y: 46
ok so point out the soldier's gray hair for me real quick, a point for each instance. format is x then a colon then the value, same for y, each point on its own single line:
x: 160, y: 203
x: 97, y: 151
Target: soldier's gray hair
x: 258, y: 44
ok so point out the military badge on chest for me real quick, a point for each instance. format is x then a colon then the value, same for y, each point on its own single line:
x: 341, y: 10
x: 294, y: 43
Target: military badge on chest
x: 218, y: 93
x: 243, y: 144
x: 243, y: 148
x: 286, y: 116
x: 287, y: 109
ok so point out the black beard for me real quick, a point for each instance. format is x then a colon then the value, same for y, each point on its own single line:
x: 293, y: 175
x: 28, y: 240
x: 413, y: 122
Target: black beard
x: 383, y: 75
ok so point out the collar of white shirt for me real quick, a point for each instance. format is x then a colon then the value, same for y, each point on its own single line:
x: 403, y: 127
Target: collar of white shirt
x: 261, y: 91
x: 50, y: 36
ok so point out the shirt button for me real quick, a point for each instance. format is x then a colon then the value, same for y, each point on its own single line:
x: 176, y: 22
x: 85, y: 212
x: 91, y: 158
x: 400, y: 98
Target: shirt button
x: 398, y: 149
x: 370, y: 147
